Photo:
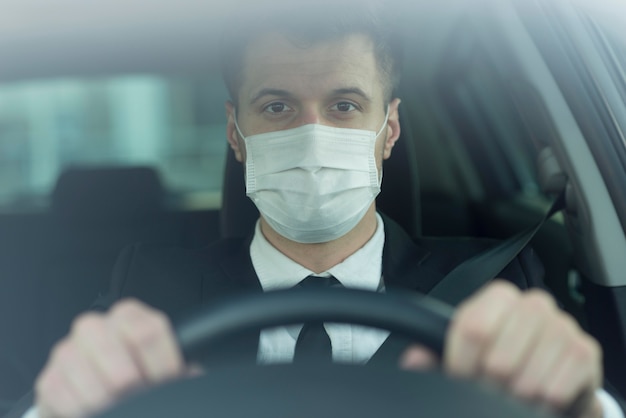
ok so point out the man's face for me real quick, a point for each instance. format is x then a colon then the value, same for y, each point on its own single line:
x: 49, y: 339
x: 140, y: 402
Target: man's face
x: 334, y: 83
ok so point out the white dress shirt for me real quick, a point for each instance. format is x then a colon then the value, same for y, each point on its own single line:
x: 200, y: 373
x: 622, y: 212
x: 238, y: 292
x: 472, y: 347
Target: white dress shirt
x: 362, y: 270
x: 351, y: 343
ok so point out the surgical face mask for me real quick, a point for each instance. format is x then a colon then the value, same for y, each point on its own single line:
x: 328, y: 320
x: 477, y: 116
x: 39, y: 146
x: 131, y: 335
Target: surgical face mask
x: 313, y: 183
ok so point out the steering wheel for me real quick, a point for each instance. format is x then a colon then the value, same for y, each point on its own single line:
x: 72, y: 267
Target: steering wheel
x: 316, y: 390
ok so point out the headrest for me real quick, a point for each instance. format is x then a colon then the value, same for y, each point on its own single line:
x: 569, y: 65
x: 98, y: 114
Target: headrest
x: 238, y: 214
x: 399, y: 198
x: 107, y: 192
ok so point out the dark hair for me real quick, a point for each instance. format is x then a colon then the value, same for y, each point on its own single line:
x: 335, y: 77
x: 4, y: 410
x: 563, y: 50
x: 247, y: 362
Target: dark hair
x: 307, y: 23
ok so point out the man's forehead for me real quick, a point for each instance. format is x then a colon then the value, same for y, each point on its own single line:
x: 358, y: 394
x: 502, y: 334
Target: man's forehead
x: 276, y: 61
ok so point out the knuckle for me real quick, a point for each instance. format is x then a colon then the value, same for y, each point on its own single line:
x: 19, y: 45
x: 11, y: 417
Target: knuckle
x: 564, y: 328
x: 585, y: 350
x: 126, y: 307
x: 86, y: 322
x: 62, y: 352
x: 504, y: 289
x: 538, y: 301
x: 156, y: 324
x: 566, y: 322
x: 471, y: 327
x: 149, y: 329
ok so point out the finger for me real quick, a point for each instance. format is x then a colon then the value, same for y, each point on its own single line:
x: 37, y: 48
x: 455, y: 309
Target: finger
x: 558, y: 398
x: 505, y: 358
x: 106, y: 355
x: 60, y: 403
x: 83, y: 381
x: 545, y: 358
x: 418, y: 357
x: 474, y: 326
x: 576, y: 378
x: 69, y: 385
x: 149, y: 336
x: 53, y: 397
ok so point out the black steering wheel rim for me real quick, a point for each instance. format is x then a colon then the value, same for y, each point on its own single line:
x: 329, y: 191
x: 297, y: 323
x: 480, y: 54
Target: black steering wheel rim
x: 319, y: 390
x: 418, y: 318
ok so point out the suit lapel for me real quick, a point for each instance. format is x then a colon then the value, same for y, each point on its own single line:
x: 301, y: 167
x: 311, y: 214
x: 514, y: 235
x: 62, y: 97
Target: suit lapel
x: 235, y: 276
x: 405, y: 267
x: 239, y: 270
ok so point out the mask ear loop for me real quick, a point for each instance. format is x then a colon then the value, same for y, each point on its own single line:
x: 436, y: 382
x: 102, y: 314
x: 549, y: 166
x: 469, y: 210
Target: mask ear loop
x: 382, y: 128
x: 248, y: 159
x: 243, y: 138
x: 379, y: 173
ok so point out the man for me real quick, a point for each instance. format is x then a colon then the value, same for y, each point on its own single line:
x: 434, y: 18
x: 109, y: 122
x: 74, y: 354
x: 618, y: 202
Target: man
x: 312, y: 118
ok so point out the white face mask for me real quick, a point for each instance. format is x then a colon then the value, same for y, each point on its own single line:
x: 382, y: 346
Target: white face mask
x: 313, y: 183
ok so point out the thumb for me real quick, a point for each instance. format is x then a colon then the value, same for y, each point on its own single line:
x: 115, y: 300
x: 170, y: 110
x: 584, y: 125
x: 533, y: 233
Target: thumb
x: 418, y: 357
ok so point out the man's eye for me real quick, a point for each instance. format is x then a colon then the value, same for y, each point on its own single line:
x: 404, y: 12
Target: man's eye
x: 344, y: 107
x: 276, y: 107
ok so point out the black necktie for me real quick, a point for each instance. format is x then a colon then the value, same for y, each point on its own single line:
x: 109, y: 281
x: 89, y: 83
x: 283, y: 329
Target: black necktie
x: 313, y: 343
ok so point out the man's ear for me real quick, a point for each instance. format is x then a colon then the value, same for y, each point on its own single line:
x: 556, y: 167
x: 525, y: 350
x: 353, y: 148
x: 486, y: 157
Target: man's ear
x: 232, y: 135
x: 393, y: 128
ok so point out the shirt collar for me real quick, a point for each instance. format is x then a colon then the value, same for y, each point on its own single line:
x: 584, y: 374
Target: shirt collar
x: 362, y: 270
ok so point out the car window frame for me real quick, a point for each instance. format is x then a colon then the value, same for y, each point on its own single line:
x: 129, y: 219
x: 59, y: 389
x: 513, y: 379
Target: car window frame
x: 562, y: 40
x: 512, y: 174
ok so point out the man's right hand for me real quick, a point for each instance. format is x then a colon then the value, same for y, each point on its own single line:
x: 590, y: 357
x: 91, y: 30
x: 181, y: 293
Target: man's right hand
x: 105, y: 357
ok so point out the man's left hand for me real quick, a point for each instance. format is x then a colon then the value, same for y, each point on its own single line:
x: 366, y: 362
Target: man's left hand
x: 525, y: 343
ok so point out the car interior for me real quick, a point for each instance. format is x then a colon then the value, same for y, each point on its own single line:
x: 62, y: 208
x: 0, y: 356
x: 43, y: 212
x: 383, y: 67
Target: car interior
x: 493, y: 127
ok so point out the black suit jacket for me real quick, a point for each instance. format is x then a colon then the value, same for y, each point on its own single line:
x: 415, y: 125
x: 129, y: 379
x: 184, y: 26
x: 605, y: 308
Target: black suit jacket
x: 177, y: 280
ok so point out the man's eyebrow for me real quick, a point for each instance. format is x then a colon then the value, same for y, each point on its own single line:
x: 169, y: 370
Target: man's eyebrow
x: 284, y: 93
x: 269, y: 92
x: 351, y: 90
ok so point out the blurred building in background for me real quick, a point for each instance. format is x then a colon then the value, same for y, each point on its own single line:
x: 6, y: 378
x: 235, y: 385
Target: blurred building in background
x: 171, y: 124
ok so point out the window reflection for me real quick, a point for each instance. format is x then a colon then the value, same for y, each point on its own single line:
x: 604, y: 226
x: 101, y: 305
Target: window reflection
x: 175, y: 125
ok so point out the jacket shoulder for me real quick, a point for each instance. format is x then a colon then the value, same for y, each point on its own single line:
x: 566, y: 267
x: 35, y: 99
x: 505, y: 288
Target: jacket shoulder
x: 166, y: 277
x: 526, y: 270
x: 423, y: 262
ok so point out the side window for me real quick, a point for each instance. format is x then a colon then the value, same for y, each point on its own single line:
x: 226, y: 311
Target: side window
x: 478, y: 98
x: 174, y: 125
x: 617, y: 46
x: 612, y: 49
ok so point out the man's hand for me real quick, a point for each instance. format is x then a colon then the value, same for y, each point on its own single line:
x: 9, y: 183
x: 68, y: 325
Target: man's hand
x: 523, y: 342
x: 105, y: 357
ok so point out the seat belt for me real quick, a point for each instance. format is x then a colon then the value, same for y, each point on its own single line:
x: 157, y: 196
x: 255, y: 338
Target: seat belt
x: 472, y: 274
